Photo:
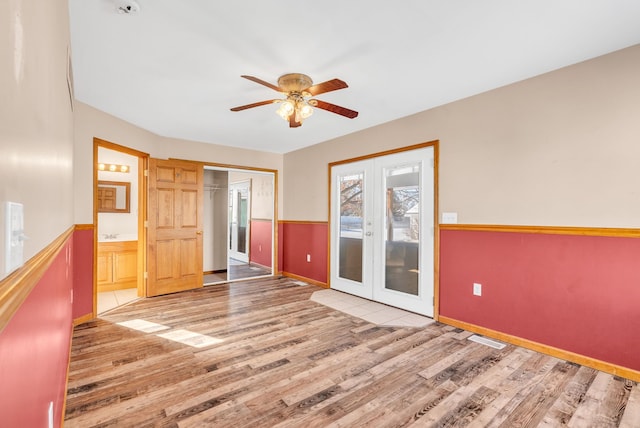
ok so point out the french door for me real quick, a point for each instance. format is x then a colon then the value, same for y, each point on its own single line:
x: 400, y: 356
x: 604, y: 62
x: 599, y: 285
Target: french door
x: 382, y: 225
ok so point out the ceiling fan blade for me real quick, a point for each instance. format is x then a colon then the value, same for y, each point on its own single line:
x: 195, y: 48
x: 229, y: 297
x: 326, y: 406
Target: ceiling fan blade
x: 328, y: 86
x: 258, y: 104
x: 292, y: 121
x: 342, y: 111
x: 262, y: 82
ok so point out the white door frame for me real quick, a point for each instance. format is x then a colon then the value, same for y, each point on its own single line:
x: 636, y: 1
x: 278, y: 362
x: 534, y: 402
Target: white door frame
x: 233, y: 238
x: 372, y: 285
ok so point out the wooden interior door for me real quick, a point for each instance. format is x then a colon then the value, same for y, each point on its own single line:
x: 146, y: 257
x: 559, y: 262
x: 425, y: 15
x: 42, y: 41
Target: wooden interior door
x: 175, y: 226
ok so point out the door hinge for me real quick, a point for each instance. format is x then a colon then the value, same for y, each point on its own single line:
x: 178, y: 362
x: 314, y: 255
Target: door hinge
x: 146, y: 223
x: 146, y: 173
x: 146, y: 275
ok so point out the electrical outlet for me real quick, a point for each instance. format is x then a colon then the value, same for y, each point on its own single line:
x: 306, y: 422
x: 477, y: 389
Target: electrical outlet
x: 308, y: 258
x: 477, y: 289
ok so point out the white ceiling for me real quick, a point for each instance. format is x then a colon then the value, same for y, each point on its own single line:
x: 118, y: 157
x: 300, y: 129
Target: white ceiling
x: 174, y: 67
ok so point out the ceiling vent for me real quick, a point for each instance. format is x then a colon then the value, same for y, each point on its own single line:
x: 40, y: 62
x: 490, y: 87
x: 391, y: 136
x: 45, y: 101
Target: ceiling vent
x: 127, y: 6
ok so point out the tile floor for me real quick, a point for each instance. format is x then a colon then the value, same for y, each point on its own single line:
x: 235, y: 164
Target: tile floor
x: 108, y: 300
x: 376, y: 313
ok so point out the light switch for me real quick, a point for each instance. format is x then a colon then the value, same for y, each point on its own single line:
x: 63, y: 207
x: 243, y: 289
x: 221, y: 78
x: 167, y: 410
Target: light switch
x: 14, y: 236
x: 449, y: 218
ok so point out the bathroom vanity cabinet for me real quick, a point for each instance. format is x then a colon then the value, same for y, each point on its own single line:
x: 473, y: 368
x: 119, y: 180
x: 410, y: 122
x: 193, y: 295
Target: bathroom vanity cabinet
x: 117, y: 265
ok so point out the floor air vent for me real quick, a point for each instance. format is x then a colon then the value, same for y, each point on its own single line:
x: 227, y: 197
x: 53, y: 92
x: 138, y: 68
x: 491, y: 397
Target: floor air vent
x: 485, y: 341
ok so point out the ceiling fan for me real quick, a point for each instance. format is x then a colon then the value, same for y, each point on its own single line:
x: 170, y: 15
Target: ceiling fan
x: 298, y: 104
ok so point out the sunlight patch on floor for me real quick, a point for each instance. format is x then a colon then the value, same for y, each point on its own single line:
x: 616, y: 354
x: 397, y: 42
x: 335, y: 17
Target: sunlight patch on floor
x: 185, y: 337
x: 190, y: 338
x: 143, y: 326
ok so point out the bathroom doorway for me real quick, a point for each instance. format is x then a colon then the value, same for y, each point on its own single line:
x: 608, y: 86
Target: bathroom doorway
x: 239, y: 224
x: 119, y: 234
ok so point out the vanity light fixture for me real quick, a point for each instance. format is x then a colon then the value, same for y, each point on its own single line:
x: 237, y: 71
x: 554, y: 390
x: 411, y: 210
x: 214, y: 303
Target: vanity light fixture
x: 112, y: 167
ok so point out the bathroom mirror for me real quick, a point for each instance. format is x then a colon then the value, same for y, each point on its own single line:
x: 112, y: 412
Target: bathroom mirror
x: 114, y: 196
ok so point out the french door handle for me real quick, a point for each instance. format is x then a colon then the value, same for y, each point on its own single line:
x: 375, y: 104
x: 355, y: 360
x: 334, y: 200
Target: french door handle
x: 369, y: 233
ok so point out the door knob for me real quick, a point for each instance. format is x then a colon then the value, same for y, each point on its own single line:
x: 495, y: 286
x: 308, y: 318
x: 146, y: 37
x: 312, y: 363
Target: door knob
x: 368, y: 233
x: 199, y: 232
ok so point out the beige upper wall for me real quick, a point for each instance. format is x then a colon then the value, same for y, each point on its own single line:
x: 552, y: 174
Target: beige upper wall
x: 261, y: 193
x: 225, y: 155
x: 560, y: 149
x: 90, y: 123
x: 36, y: 122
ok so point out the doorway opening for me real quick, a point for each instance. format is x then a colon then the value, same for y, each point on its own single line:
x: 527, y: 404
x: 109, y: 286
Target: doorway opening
x: 119, y: 236
x: 239, y: 218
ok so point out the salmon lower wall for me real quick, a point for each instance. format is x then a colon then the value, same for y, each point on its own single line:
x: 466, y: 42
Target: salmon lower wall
x: 296, y: 240
x: 576, y: 293
x: 34, y: 348
x: 261, y: 243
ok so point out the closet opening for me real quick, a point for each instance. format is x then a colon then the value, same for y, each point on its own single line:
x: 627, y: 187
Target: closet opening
x: 239, y: 221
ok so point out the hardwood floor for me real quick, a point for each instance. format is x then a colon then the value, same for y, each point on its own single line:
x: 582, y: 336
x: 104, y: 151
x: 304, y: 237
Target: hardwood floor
x: 280, y: 359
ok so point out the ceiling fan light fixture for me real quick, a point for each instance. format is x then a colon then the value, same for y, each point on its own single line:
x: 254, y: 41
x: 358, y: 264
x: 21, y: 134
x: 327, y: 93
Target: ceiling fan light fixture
x: 288, y: 106
x: 305, y: 111
x: 286, y: 109
x: 297, y: 107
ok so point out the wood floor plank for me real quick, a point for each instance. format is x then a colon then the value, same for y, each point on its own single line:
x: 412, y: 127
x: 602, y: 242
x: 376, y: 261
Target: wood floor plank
x: 411, y: 405
x: 283, y: 360
x: 490, y: 378
x: 515, y: 388
x: 631, y: 414
x: 540, y: 399
x: 471, y: 378
x: 591, y: 403
x: 365, y: 386
x: 560, y: 413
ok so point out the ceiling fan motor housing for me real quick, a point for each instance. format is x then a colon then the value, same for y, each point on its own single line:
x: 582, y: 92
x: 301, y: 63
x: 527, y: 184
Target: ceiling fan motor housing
x: 294, y: 82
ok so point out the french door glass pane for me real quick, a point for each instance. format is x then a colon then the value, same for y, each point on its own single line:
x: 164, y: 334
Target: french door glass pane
x: 351, y: 227
x: 402, y: 228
